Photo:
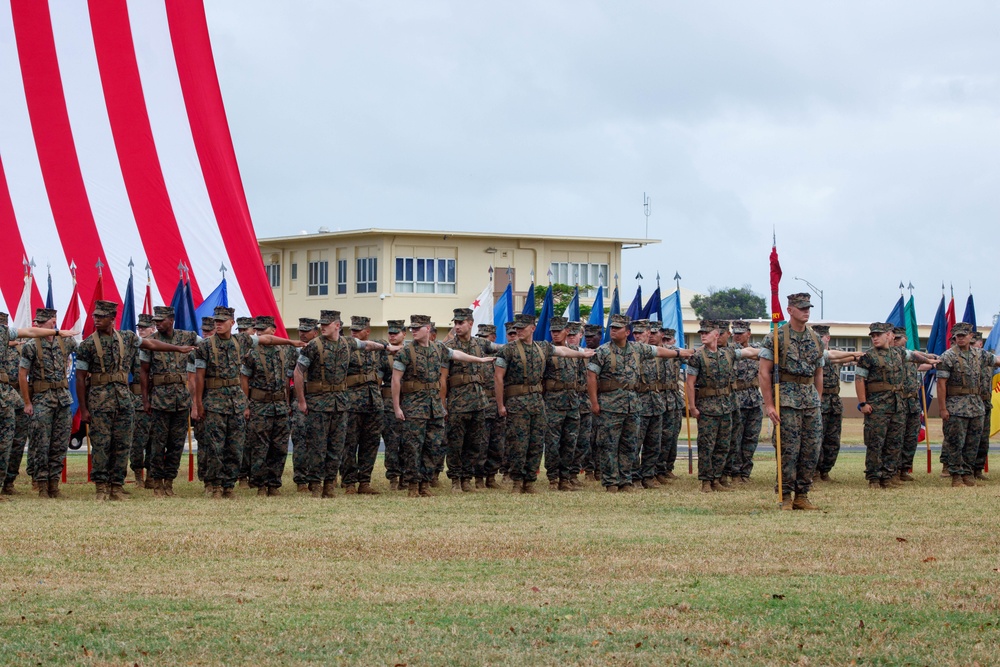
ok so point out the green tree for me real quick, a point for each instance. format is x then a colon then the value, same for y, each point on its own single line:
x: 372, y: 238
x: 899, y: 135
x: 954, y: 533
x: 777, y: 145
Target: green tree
x: 732, y: 303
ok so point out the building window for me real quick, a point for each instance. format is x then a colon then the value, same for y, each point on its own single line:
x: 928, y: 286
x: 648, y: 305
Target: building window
x: 273, y: 274
x: 367, y: 278
x: 319, y: 278
x: 294, y: 272
x: 341, y: 276
x: 579, y: 273
x: 425, y: 275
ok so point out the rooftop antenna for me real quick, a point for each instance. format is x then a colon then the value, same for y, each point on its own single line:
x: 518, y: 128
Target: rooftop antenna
x: 647, y: 206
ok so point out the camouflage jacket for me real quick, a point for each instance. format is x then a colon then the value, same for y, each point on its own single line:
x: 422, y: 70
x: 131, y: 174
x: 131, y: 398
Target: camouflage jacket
x: 173, y: 396
x: 365, y: 369
x: 651, y: 379
x: 268, y: 370
x: 465, y: 380
x: 911, y: 389
x: 989, y: 366
x: 618, y: 368
x: 800, y: 355
x: 746, y: 386
x: 884, y: 368
x: 327, y: 361
x: 106, y: 355
x: 421, y: 364
x: 713, y: 371
x: 50, y: 366
x: 222, y: 360
x: 385, y: 373
x: 525, y: 365
x: 10, y: 395
x: 581, y: 379
x: 830, y: 402
x: 963, y: 371
x: 673, y: 398
x: 562, y: 372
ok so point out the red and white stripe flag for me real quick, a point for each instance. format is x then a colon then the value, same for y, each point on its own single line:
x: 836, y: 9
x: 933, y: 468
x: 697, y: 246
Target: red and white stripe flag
x: 114, y: 145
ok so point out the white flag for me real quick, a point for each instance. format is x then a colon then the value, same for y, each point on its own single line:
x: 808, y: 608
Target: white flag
x: 482, y: 307
x: 23, y: 316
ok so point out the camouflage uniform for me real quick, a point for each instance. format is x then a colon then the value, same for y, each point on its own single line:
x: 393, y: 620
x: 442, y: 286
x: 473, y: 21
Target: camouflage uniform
x: 963, y: 431
x: 562, y: 390
x: 747, y: 417
x: 170, y: 403
x: 832, y: 410
x: 713, y: 374
x: 912, y: 411
x: 297, y: 421
x: 651, y: 407
x: 467, y: 434
x: 140, y: 453
x: 617, y: 372
x: 46, y: 360
x: 883, y: 372
x: 989, y: 365
x: 492, y: 457
x: 525, y: 405
x: 10, y: 357
x: 421, y: 433
x: 800, y: 356
x: 673, y: 415
x: 390, y: 427
x: 108, y: 360
x: 583, y: 458
x: 363, y: 401
x: 268, y: 370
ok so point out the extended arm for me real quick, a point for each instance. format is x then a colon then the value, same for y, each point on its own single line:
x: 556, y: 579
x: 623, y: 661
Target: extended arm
x: 563, y: 351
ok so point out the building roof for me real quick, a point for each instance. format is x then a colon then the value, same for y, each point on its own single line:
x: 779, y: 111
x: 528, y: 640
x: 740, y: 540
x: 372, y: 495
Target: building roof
x: 446, y: 234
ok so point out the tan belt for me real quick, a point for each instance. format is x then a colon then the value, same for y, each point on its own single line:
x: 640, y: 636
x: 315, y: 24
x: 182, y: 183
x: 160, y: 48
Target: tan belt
x: 136, y: 388
x: 910, y: 394
x: 161, y: 379
x: 490, y: 390
x: 219, y: 383
x: 262, y: 396
x: 709, y: 392
x: 556, y: 385
x: 462, y: 379
x: 101, y: 379
x: 319, y: 387
x: 797, y: 379
x: 743, y: 385
x: 962, y: 391
x: 514, y: 390
x: 832, y: 391
x: 38, y: 386
x: 879, y: 387
x: 604, y: 386
x: 386, y: 392
x: 362, y: 378
x: 645, y: 387
x: 412, y: 387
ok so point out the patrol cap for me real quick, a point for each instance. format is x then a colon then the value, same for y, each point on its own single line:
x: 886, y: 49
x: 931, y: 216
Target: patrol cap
x: 723, y: 325
x: 977, y: 335
x: 359, y: 322
x: 396, y: 326
x: 821, y: 329
x: 462, y: 315
x: 434, y: 328
x: 486, y: 330
x: 45, y: 314
x: 591, y: 329
x: 161, y: 313
x: 574, y: 328
x: 417, y: 321
x: 105, y: 309
x: 668, y: 332
x: 800, y: 300
x: 639, y: 326
x: 3, y: 319
x: 222, y: 314
x: 707, y: 326
x: 899, y: 331
x: 244, y: 322
x: 307, y: 324
x: 558, y: 323
x: 262, y: 322
x: 145, y: 320
x: 329, y: 316
x: 741, y: 327
x: 879, y: 328
x: 619, y: 321
x: 509, y: 328
x: 961, y: 328
x: 208, y: 324
x: 522, y: 320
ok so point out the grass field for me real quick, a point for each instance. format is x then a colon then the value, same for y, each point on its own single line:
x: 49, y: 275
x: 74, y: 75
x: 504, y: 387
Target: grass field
x: 670, y: 576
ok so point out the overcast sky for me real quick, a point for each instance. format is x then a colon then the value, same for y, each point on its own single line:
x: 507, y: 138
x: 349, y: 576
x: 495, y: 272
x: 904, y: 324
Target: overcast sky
x: 867, y: 134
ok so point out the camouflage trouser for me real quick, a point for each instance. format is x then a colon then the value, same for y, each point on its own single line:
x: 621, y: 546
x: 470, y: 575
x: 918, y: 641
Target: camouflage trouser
x: 713, y: 445
x: 647, y: 451
x: 832, y: 421
x: 746, y: 433
x: 467, y: 438
x: 984, y: 439
x: 50, y: 432
x: 142, y: 441
x: 961, y: 443
x: 583, y: 458
x: 21, y: 424
x: 224, y: 437
x: 8, y: 424
x: 324, y: 445
x: 561, y: 431
x: 110, y: 442
x: 525, y: 442
x: 390, y: 435
x: 671, y: 429
x: 801, y: 430
x: 491, y: 458
x: 364, y: 431
x: 911, y: 434
x: 198, y: 428
x: 267, y: 443
x: 419, y: 440
x: 617, y: 434
x: 169, y: 431
x: 883, y: 444
x: 300, y: 438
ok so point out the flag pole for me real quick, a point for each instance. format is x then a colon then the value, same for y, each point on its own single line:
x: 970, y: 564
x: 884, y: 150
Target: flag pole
x: 687, y: 412
x: 927, y: 426
x: 190, y: 452
x: 776, y: 376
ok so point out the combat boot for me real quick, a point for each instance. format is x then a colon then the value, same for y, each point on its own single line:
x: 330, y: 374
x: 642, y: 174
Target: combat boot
x: 565, y: 485
x: 316, y: 489
x: 529, y: 487
x: 116, y: 493
x: 874, y: 485
x: 403, y: 486
x: 412, y: 491
x: 944, y: 471
x: 575, y: 483
x: 424, y: 489
x: 302, y: 488
x: 273, y: 491
x: 611, y: 489
x: 706, y: 486
x: 243, y: 482
x: 981, y: 476
x: 554, y: 484
x: 718, y: 486
x: 517, y: 487
x: 262, y: 491
x: 148, y: 484
x: 54, y: 488
x: 456, y: 485
x: 349, y: 490
x: 329, y: 489
x: 786, y: 503
x: 802, y: 502
x: 102, y: 492
x: 366, y: 489
x: 662, y: 479
x: 480, y: 482
x: 491, y: 482
x: 893, y: 482
x: 34, y: 487
x: 228, y: 493
x: 589, y: 476
x: 435, y: 481
x: 467, y: 486
x: 168, y: 487
x: 968, y: 480
x: 8, y: 489
x: 209, y: 488
x: 394, y: 484
x: 650, y: 483
x: 725, y: 480
x: 825, y: 476
x: 956, y: 480
x: 625, y: 488
x: 216, y: 492
x: 743, y: 480
x: 158, y: 489
x: 138, y: 476
x: 670, y: 475
x: 906, y: 477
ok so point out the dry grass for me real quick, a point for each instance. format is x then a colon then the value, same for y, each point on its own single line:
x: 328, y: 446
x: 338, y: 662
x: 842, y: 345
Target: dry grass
x: 665, y: 576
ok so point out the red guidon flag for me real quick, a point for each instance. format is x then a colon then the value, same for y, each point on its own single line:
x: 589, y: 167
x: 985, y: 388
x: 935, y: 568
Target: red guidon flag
x: 776, y: 314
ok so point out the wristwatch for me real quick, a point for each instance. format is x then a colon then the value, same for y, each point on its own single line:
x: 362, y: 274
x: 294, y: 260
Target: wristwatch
x: 861, y: 405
